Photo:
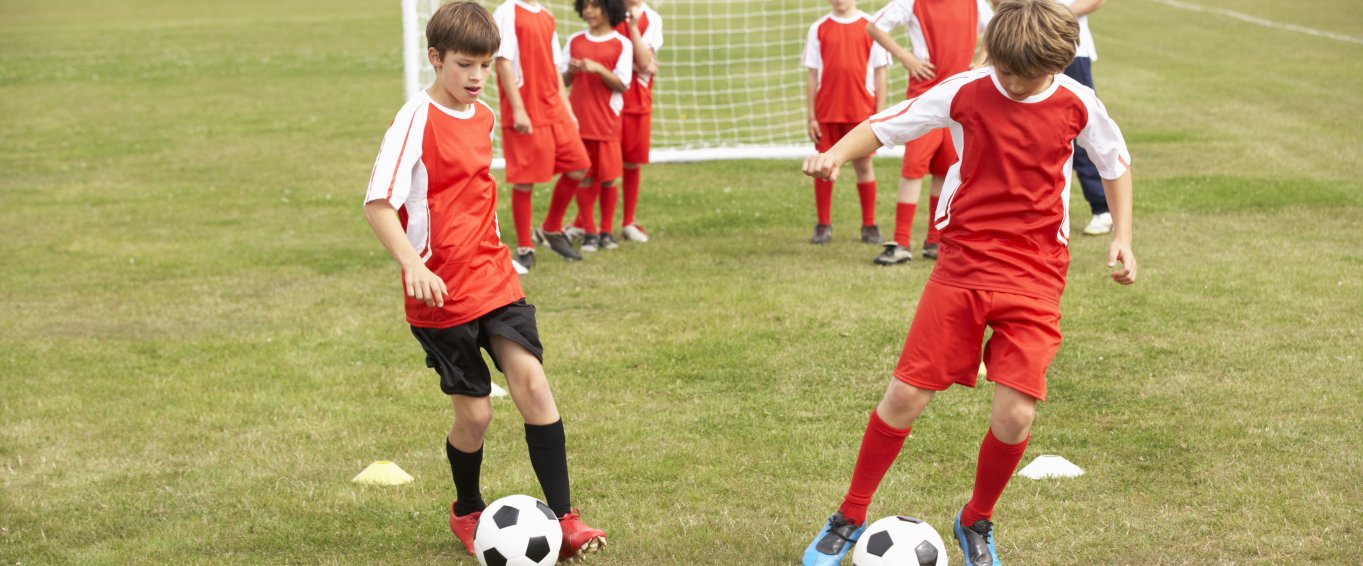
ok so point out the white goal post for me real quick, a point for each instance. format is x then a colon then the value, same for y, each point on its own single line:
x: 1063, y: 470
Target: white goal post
x: 729, y: 84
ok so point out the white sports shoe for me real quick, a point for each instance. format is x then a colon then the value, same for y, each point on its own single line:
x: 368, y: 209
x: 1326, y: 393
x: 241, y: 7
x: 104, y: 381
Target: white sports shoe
x: 634, y: 233
x: 574, y: 233
x: 1100, y: 224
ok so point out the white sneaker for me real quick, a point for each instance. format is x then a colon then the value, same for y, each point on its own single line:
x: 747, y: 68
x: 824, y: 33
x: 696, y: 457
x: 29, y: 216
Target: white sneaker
x: 1100, y: 224
x: 634, y: 233
x: 574, y: 233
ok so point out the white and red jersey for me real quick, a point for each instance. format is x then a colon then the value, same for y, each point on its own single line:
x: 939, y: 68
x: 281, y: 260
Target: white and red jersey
x: 1004, y: 210
x: 943, y: 32
x: 596, y: 106
x: 434, y: 169
x: 639, y: 97
x: 530, y: 44
x: 846, y: 59
x: 1086, y: 46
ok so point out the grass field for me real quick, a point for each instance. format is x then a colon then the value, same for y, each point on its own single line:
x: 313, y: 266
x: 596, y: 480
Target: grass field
x: 201, y: 342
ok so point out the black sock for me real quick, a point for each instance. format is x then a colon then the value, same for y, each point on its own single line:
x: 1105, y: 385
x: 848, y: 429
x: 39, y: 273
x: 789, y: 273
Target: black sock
x: 549, y: 457
x: 466, y: 467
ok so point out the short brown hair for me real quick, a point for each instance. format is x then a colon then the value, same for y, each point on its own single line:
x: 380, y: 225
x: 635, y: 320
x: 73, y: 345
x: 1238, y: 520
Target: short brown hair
x: 1032, y: 38
x: 463, y: 27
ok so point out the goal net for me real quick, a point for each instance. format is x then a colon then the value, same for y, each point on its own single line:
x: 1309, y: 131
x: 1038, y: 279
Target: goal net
x: 729, y: 83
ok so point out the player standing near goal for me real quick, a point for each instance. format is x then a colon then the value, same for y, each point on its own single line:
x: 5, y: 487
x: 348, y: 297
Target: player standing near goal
x: 539, y: 131
x: 846, y: 85
x: 944, y: 34
x: 598, y: 70
x: 644, y: 28
x: 432, y: 202
x: 1005, y: 230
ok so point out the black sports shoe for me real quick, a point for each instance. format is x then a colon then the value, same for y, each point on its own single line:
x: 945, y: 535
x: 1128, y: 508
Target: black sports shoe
x: 525, y: 257
x: 590, y: 243
x: 561, y: 246
x: 930, y: 250
x: 894, y: 254
x: 608, y: 241
x: 977, y: 542
x: 871, y: 234
x: 823, y: 234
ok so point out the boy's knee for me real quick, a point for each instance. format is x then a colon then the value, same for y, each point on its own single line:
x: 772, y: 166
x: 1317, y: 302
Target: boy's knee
x: 577, y: 175
x: 474, y: 420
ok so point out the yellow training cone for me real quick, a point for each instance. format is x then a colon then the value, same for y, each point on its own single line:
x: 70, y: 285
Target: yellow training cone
x: 383, y: 472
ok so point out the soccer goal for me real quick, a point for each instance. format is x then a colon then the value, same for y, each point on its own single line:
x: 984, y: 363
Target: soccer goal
x: 729, y: 84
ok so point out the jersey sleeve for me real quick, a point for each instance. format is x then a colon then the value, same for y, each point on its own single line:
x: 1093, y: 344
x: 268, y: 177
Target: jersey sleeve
x: 562, y: 57
x: 1103, y: 140
x: 879, y: 56
x: 986, y: 13
x: 624, y: 64
x: 813, y: 56
x: 391, y: 178
x: 505, y: 18
x: 914, y: 117
x: 896, y: 13
x: 653, y: 36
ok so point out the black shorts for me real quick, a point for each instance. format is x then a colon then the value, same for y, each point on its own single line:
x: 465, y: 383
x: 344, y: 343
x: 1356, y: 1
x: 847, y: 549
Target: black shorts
x: 453, y: 352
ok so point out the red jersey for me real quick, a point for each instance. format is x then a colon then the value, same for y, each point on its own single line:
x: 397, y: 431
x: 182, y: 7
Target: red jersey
x: 434, y: 169
x: 530, y: 43
x: 943, y: 32
x: 1004, y: 211
x: 639, y: 97
x: 596, y: 106
x: 846, y: 59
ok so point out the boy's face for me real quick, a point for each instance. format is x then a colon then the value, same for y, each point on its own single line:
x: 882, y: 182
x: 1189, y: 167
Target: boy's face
x: 592, y: 14
x: 842, y: 5
x: 462, y: 75
x: 1019, y: 87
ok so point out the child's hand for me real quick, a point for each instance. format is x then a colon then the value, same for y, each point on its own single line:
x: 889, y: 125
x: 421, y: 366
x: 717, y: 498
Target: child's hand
x: 1121, y: 252
x: 520, y: 121
x: 822, y: 166
x: 919, y: 69
x: 814, y: 132
x: 425, y: 286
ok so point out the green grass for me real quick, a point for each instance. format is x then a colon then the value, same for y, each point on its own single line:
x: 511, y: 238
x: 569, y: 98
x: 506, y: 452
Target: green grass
x: 201, y: 342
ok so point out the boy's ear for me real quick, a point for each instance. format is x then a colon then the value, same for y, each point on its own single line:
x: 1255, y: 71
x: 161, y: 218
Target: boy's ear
x: 434, y: 56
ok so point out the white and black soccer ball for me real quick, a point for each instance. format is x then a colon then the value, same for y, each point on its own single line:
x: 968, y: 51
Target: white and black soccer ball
x: 517, y: 530
x: 898, y: 541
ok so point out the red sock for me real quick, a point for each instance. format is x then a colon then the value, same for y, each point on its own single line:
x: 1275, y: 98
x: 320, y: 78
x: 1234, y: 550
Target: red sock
x: 933, y: 235
x: 866, y: 192
x: 520, y: 216
x: 609, y: 197
x: 823, y: 200
x: 563, y: 194
x: 586, y: 203
x: 994, y: 469
x: 631, y: 182
x: 879, y: 447
x: 903, y: 222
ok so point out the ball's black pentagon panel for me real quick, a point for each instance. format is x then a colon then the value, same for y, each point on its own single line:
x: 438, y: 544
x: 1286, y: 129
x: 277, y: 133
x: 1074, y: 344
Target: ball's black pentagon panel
x: 927, y: 554
x: 548, y: 513
x: 493, y: 558
x: 879, y: 544
x: 506, y: 517
x: 537, y: 549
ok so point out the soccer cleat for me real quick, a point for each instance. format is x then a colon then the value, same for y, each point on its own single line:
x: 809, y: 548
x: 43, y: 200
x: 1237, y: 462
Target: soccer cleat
x: 634, y: 233
x: 832, y: 543
x: 578, y: 538
x: 977, y: 542
x: 608, y: 241
x: 1100, y: 224
x: 574, y: 233
x: 894, y: 254
x: 871, y: 234
x: 590, y: 243
x: 464, y: 526
x: 823, y: 234
x: 525, y: 257
x: 561, y: 246
x: 930, y: 250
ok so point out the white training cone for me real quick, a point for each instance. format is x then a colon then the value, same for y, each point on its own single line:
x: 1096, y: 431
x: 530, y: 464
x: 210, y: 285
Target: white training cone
x: 981, y: 372
x: 497, y: 391
x: 383, y: 472
x: 1050, y: 466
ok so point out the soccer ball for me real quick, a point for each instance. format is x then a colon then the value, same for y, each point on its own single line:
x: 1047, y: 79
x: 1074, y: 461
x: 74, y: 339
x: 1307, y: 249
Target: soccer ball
x: 517, y: 530
x: 899, y: 541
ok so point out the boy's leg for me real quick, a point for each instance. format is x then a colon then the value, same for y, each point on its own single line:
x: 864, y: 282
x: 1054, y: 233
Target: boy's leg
x: 1010, y: 426
x: 886, y: 431
x: 464, y: 450
x: 906, y: 206
x: 521, y: 214
x: 866, y: 195
x: 630, y: 188
x: 587, y: 193
x: 610, y: 197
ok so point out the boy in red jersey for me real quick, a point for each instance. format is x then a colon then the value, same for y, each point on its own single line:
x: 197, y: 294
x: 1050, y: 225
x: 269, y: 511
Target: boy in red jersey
x: 846, y: 85
x: 944, y: 34
x: 539, y: 131
x: 598, y: 71
x: 432, y: 203
x: 1005, y: 229
x: 644, y: 28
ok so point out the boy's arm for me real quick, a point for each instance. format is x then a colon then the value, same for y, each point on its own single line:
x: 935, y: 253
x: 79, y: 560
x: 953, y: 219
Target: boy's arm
x: 1085, y: 7
x: 917, y: 68
x: 421, y: 284
x: 857, y: 144
x: 811, y: 90
x: 643, y: 54
x: 882, y: 89
x: 1118, y: 192
x: 506, y: 78
x: 900, y: 123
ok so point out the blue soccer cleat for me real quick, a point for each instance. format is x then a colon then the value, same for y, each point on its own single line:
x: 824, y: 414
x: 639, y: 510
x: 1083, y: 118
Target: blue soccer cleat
x: 977, y: 542
x: 832, y: 543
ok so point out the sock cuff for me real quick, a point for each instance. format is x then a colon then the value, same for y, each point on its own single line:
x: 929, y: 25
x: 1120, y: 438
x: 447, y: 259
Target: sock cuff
x: 451, y: 451
x: 545, y: 436
x: 1011, y: 449
x: 866, y: 185
x: 885, y: 429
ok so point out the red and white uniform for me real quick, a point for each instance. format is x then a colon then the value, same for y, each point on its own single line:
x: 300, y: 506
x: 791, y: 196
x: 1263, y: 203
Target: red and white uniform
x: 530, y: 43
x: 943, y: 32
x: 597, y: 107
x: 434, y: 169
x: 1004, y: 210
x: 639, y: 97
x: 846, y: 59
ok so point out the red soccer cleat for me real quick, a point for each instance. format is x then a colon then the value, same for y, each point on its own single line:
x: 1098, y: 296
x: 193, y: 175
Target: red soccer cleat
x: 463, y: 526
x: 578, y: 538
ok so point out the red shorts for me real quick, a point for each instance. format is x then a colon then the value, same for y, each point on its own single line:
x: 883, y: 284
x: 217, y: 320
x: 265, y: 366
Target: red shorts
x: 831, y: 133
x: 932, y: 153
x: 605, y: 158
x: 943, y: 346
x: 544, y: 152
x: 636, y: 131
